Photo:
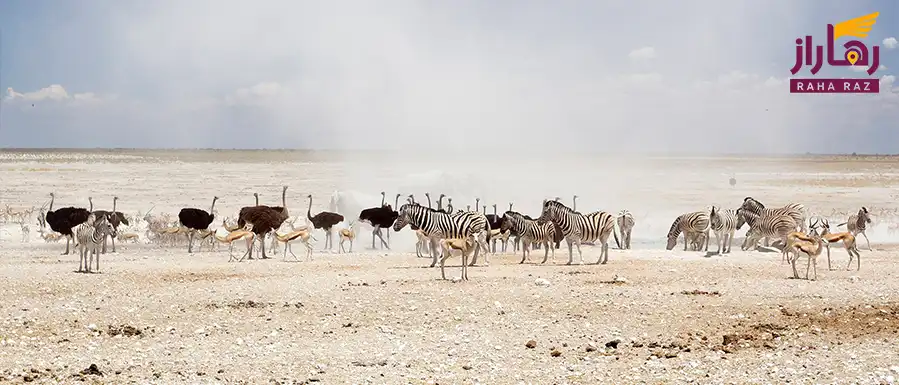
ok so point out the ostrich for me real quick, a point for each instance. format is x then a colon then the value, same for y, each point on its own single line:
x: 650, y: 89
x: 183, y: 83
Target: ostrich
x: 380, y: 217
x: 264, y: 218
x: 63, y: 220
x: 495, y: 222
x: 440, y: 203
x: 196, y: 219
x: 733, y: 181
x: 449, y: 205
x: 574, y: 202
x: 323, y: 220
x: 477, y: 202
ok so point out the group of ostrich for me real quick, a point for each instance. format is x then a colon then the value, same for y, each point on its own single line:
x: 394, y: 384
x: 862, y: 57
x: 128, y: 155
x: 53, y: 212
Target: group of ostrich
x: 444, y: 231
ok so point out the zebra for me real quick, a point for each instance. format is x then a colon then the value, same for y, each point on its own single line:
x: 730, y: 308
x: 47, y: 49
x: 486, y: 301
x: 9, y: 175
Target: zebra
x: 858, y: 223
x: 724, y: 223
x: 436, y: 225
x: 692, y: 225
x: 579, y: 228
x: 625, y: 222
x: 531, y: 231
x: 89, y: 237
x: 771, y: 226
x: 794, y: 210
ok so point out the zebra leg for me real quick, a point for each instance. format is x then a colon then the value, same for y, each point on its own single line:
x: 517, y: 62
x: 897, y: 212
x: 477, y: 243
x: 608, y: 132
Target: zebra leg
x: 465, y: 264
x: 433, y: 251
x: 97, y: 253
x: 547, y: 246
x: 579, y: 253
x: 570, y: 251
x: 524, y: 252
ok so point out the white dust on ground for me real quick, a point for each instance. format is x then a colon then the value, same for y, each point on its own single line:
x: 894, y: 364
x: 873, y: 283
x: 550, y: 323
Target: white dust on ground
x: 380, y: 317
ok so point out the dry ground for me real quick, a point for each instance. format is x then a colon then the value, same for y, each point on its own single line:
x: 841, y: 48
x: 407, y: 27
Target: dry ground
x: 159, y: 315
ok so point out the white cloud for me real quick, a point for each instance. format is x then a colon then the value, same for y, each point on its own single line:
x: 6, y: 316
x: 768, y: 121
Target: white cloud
x: 886, y: 83
x: 773, y: 82
x: 643, y: 53
x: 882, y: 68
x: 890, y: 42
x: 54, y: 92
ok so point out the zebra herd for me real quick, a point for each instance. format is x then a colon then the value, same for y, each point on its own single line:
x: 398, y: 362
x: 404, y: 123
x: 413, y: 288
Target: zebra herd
x: 556, y: 221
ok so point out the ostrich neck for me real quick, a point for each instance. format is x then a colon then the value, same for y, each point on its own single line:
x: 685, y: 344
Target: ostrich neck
x: 257, y: 199
x: 429, y: 200
x: 284, y: 201
x: 91, y: 201
x: 212, y: 208
x: 113, y: 204
x: 440, y: 203
x: 396, y: 202
x: 383, y: 199
x: 52, y: 198
x: 309, y: 210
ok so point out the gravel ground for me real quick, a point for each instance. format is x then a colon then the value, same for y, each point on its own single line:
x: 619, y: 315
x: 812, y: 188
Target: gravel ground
x: 646, y: 317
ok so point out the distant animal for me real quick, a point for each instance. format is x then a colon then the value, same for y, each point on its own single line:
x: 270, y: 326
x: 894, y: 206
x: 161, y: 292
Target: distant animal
x: 115, y: 219
x: 858, y: 223
x: 134, y: 238
x: 724, y: 224
x: 25, y: 232
x: 379, y: 218
x: 625, y: 222
x: 692, y: 225
x: 531, y: 232
x: 346, y: 235
x: 90, y: 235
x: 245, y: 233
x: 324, y: 220
x: 196, y: 219
x: 733, y: 181
x: 578, y: 228
x: 264, y: 219
x: 301, y: 235
x: 49, y: 236
x: 65, y: 219
x: 463, y: 245
x: 495, y: 222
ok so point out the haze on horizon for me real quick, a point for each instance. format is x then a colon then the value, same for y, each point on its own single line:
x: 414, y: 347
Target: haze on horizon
x: 590, y: 76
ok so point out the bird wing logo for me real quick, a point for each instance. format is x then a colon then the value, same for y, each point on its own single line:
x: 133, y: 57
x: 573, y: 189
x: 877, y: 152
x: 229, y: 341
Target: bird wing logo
x: 858, y: 27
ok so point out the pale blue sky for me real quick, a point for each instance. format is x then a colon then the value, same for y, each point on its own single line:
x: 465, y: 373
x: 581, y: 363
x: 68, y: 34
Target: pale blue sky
x: 690, y: 76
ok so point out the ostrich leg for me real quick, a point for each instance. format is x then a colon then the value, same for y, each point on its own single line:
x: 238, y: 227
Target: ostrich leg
x: 112, y: 239
x: 190, y: 241
x: 262, y: 247
x: 383, y: 243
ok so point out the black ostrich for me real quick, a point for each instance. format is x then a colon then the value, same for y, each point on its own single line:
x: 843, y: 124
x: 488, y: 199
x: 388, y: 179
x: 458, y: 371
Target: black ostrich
x: 115, y: 218
x: 494, y: 221
x: 63, y: 220
x: 263, y: 223
x: 324, y: 220
x: 196, y: 219
x: 264, y: 219
x: 379, y: 217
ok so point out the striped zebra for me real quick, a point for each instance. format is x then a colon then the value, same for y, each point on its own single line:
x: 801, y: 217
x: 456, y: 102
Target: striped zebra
x: 794, y: 210
x: 531, y: 231
x: 724, y: 224
x: 89, y: 237
x: 436, y: 225
x: 692, y: 225
x: 858, y: 223
x: 579, y: 228
x: 770, y: 226
x: 625, y: 222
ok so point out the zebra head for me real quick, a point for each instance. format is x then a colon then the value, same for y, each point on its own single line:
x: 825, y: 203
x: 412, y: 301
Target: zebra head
x: 507, y: 221
x: 673, y: 233
x: 404, y: 216
x: 751, y: 204
x: 864, y: 215
x: 104, y: 227
x: 553, y: 210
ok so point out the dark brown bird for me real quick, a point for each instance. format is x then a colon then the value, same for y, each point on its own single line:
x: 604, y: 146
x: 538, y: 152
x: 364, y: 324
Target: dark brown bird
x: 196, y: 219
x: 63, y: 220
x: 264, y: 219
x: 324, y: 220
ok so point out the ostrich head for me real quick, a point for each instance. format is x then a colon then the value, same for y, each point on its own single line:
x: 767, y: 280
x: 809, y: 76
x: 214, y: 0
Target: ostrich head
x: 442, y: 196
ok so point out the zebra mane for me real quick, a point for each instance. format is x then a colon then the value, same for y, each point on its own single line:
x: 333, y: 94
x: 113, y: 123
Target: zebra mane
x: 559, y: 205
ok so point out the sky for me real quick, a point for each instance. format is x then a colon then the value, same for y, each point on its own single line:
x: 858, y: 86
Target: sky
x: 526, y: 76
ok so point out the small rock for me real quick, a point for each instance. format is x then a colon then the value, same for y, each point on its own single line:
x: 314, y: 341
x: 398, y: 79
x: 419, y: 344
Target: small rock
x: 613, y: 343
x: 466, y: 367
x: 555, y: 353
x: 92, y: 370
x: 619, y: 279
x: 591, y: 347
x: 531, y: 344
x: 541, y: 282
